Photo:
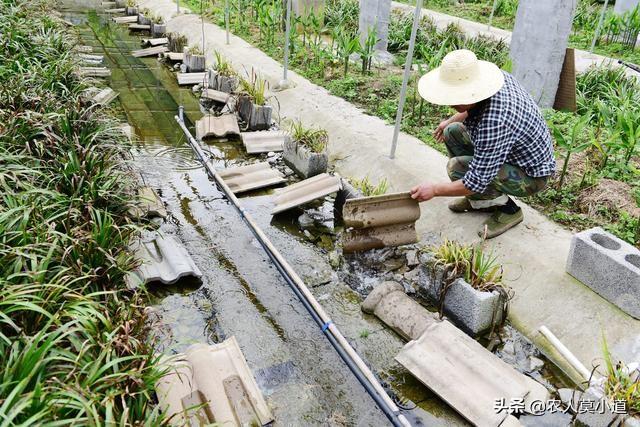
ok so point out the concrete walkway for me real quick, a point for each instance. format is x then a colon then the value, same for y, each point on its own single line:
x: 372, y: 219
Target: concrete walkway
x: 584, y: 59
x: 534, y: 254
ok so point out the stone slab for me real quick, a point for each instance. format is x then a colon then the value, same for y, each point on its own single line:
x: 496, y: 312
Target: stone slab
x: 218, y: 127
x: 150, y: 51
x: 211, y: 383
x: 263, y: 141
x: 252, y: 177
x: 466, y: 375
x: 163, y: 259
x: 305, y: 191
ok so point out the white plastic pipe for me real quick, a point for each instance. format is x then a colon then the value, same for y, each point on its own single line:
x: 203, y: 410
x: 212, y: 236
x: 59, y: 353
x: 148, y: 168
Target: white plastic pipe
x: 564, y: 351
x: 405, y: 81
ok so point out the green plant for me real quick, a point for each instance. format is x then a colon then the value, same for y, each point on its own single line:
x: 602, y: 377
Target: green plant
x: 195, y: 50
x: 366, y: 49
x: 131, y: 3
x: 256, y: 87
x: 347, y: 44
x: 621, y: 383
x: 484, y: 273
x: 453, y: 256
x: 570, y: 144
x: 364, y: 333
x: 73, y: 348
x: 312, y: 138
x: 222, y: 66
x: 368, y: 189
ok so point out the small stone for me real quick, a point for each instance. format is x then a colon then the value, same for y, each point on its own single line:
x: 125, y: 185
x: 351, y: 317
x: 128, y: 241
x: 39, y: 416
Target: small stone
x: 509, y: 348
x: 393, y: 264
x: 335, y: 259
x: 535, y: 364
x: 183, y: 68
x: 305, y: 221
x: 271, y: 154
x: 412, y: 275
x: 309, y: 236
x: 569, y: 397
x: 412, y: 258
x: 176, y: 67
x: 272, y: 160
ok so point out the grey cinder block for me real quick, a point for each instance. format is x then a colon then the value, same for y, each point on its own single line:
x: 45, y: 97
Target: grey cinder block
x: 471, y: 310
x: 303, y: 161
x: 609, y: 266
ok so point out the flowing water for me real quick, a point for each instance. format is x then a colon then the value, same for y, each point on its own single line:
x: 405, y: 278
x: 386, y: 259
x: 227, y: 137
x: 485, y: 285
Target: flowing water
x: 241, y: 293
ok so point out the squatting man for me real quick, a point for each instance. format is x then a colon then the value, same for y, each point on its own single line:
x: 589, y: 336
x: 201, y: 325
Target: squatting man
x: 498, y: 142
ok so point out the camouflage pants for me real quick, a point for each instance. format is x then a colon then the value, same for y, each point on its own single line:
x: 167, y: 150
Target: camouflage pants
x: 510, y: 180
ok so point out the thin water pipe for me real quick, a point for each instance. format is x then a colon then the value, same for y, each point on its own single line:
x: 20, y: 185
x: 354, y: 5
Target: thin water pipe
x: 405, y: 81
x: 178, y: 4
x: 596, y: 36
x: 331, y: 331
x: 566, y: 353
x: 493, y: 11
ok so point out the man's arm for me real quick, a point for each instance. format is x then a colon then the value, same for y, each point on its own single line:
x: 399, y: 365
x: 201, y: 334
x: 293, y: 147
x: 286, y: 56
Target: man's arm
x: 427, y: 191
x: 438, y: 134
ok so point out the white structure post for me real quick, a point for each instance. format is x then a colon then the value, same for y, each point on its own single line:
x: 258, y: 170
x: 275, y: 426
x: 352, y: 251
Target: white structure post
x: 537, y: 51
x: 623, y: 6
x: 405, y: 80
x: 375, y: 13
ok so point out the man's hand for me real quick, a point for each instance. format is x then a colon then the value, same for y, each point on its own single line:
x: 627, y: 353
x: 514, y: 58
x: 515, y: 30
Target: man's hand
x: 438, y: 134
x: 423, y: 192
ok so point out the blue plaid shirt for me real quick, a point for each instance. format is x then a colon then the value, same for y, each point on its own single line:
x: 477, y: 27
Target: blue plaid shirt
x: 508, y: 128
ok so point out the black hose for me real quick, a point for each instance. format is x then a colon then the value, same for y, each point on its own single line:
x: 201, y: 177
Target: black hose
x: 632, y: 66
x: 389, y: 413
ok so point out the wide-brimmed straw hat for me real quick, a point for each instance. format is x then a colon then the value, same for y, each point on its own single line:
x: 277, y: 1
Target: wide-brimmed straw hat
x: 461, y: 80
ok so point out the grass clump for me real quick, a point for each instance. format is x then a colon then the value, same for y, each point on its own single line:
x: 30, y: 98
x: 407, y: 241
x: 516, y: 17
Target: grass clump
x: 222, y: 66
x: 621, y: 383
x: 313, y: 138
x: 72, y: 343
x: 477, y: 266
x: 367, y: 188
x: 195, y: 50
x: 256, y: 87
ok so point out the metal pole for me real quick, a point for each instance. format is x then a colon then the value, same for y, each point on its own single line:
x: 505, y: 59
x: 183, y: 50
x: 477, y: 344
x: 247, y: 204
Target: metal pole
x: 178, y: 4
x: 493, y: 11
x: 226, y: 17
x: 599, y: 27
x: 405, y: 80
x: 287, y: 35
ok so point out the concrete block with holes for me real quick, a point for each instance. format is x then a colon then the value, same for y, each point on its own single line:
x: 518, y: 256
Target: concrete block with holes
x: 473, y: 311
x: 609, y: 266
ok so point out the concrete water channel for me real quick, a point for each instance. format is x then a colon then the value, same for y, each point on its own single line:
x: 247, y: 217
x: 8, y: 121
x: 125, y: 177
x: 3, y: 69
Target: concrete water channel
x: 241, y: 294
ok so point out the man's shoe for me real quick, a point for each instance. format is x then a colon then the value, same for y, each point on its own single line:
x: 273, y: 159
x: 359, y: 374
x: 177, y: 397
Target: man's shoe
x: 462, y: 205
x: 500, y: 222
